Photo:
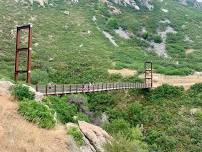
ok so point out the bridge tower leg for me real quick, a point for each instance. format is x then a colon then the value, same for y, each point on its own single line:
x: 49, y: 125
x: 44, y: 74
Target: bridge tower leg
x: 148, y: 73
x: 28, y: 50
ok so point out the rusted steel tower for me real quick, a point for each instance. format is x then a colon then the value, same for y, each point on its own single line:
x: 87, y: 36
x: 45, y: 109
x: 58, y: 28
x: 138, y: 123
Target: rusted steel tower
x: 148, y: 73
x: 28, y: 50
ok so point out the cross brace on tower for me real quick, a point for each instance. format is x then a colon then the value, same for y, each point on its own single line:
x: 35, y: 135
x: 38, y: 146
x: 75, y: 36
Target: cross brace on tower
x: 28, y: 50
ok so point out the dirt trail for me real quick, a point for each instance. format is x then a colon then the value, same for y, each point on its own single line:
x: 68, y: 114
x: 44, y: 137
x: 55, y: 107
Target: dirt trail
x: 185, y: 81
x: 18, y: 135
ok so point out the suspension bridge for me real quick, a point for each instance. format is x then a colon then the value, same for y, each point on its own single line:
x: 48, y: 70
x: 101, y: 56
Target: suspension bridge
x: 61, y: 89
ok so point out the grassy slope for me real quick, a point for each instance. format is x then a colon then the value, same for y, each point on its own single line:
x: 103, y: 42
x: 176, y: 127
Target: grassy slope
x: 165, y: 129
x: 59, y: 37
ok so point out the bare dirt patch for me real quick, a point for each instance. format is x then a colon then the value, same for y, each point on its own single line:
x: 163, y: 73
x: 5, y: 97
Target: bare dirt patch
x: 185, y: 81
x: 18, y: 135
x: 188, y: 51
x: 123, y: 72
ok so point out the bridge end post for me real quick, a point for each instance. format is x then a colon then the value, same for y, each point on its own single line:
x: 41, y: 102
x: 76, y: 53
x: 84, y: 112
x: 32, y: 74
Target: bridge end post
x: 148, y: 66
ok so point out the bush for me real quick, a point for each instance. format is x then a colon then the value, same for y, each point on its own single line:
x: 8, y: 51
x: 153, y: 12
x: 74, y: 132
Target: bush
x: 21, y: 91
x: 199, y: 117
x: 65, y: 112
x: 39, y: 76
x: 117, y: 126
x: 122, y: 127
x: 121, y: 144
x: 37, y: 113
x: 167, y: 92
x: 195, y: 89
x: 137, y: 114
x: 80, y: 101
x: 115, y: 113
x: 112, y: 23
x: 77, y: 135
x: 145, y: 35
x: 100, y: 102
x: 157, y: 39
x: 81, y: 117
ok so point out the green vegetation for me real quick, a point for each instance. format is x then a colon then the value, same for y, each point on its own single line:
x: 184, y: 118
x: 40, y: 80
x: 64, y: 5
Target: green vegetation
x: 77, y: 135
x: 64, y: 51
x: 37, y: 113
x: 81, y: 117
x: 21, y: 92
x: 195, y: 89
x: 163, y: 119
x: 65, y: 112
x: 121, y: 144
x: 157, y: 39
x: 164, y: 116
x: 70, y: 49
x: 166, y: 92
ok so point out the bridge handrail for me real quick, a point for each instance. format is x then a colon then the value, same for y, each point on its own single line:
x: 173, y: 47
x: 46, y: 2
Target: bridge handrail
x: 57, y: 89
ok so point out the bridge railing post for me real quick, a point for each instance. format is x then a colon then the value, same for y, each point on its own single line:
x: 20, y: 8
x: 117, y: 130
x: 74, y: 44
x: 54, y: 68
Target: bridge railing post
x: 37, y: 89
x: 46, y: 89
x: 55, y: 89
x: 63, y: 88
x: 149, y: 73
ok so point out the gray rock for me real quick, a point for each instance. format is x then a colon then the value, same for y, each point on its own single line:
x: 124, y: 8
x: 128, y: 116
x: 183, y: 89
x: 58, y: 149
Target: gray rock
x: 193, y: 3
x: 96, y: 135
x: 136, y: 4
x: 5, y: 87
x: 86, y: 147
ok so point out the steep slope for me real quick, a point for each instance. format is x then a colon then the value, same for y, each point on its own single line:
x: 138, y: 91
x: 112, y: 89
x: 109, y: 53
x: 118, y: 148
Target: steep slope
x: 16, y: 134
x: 73, y: 41
x: 194, y: 3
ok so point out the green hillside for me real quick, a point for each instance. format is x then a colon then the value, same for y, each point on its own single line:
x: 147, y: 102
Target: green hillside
x: 70, y: 48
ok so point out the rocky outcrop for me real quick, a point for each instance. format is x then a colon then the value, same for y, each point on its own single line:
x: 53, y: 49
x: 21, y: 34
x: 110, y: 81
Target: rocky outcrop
x: 136, y: 4
x: 5, y: 87
x: 95, y: 135
x: 194, y: 3
x: 94, y: 138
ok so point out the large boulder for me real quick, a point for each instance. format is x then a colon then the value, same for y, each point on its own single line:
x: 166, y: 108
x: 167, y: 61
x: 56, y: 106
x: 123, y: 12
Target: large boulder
x: 193, y: 3
x: 96, y: 135
x: 86, y: 147
x: 5, y: 87
x: 136, y: 4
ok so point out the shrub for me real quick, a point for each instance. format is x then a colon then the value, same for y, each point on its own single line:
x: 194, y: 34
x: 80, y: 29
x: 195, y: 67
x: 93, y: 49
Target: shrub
x: 136, y: 114
x: 122, y: 144
x: 166, y: 91
x: 112, y: 23
x: 152, y: 136
x: 157, y: 39
x: 37, y: 113
x: 21, y: 91
x: 81, y: 117
x: 100, y: 102
x: 122, y: 127
x: 199, y: 117
x: 77, y: 135
x: 80, y: 101
x: 65, y: 112
x: 145, y: 35
x: 117, y: 126
x: 39, y: 76
x: 115, y: 113
x: 195, y: 89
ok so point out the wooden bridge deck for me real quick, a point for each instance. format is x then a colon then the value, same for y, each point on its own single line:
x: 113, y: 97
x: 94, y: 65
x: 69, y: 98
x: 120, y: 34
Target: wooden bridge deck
x: 60, y: 89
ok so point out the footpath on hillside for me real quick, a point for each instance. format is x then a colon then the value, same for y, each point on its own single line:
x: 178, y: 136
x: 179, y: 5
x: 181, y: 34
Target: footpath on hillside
x: 185, y: 81
x: 18, y: 135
